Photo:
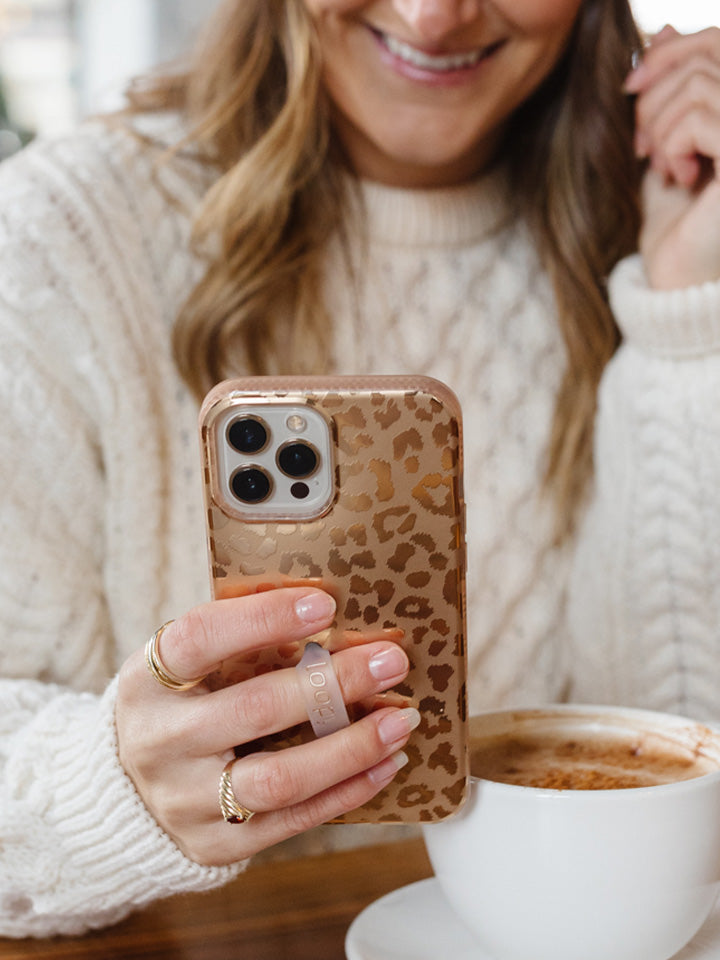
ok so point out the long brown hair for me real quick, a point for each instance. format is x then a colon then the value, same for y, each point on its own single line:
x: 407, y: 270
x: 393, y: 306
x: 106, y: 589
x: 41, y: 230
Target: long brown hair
x: 576, y: 180
x: 254, y: 100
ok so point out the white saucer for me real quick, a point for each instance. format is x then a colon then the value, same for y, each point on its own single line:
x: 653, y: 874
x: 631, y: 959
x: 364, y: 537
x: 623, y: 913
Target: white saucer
x: 416, y: 923
x: 412, y: 923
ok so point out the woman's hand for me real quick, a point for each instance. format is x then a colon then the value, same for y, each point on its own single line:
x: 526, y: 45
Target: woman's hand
x: 175, y: 745
x: 678, y: 131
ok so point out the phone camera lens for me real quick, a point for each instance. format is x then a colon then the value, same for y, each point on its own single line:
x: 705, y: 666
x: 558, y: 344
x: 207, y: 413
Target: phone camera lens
x: 297, y: 460
x: 250, y: 485
x: 247, y: 435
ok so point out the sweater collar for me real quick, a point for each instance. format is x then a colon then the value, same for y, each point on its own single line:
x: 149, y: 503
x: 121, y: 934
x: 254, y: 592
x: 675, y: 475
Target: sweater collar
x: 443, y: 216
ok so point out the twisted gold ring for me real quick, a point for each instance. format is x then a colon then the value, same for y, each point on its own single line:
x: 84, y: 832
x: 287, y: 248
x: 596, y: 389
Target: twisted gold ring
x: 232, y: 810
x: 156, y: 668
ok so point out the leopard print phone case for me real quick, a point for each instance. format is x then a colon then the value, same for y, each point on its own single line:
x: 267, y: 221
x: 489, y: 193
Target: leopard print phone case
x: 353, y: 484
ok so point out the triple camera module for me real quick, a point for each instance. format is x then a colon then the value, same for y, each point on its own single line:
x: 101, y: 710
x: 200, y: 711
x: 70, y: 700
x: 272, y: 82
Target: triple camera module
x: 277, y: 461
x: 252, y: 484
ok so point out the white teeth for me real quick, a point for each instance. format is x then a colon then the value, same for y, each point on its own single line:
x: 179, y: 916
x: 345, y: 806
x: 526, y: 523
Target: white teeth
x: 426, y: 61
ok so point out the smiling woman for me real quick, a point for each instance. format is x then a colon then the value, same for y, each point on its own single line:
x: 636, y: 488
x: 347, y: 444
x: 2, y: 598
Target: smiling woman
x: 422, y: 91
x: 480, y: 191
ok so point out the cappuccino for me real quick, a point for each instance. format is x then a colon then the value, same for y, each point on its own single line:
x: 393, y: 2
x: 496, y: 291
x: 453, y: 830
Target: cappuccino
x: 581, y: 868
x: 580, y: 759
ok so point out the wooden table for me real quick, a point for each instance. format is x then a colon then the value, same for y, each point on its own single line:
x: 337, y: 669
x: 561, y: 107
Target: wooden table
x: 290, y: 910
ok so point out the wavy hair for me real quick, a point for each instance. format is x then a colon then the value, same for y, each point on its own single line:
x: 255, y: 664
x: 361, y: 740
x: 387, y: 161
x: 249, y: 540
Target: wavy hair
x: 254, y: 99
x: 577, y: 182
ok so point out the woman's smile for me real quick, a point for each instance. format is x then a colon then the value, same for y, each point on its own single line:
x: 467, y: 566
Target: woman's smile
x: 421, y: 90
x: 428, y: 67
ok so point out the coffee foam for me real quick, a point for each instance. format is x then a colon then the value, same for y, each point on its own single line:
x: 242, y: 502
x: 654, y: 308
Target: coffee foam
x: 584, y: 752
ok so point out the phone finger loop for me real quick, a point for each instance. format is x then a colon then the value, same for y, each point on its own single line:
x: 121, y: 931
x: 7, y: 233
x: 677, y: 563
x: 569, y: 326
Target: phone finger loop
x: 158, y: 670
x: 231, y: 808
x: 321, y: 691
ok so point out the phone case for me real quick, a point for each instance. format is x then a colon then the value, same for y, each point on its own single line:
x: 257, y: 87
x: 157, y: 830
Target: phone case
x: 389, y: 545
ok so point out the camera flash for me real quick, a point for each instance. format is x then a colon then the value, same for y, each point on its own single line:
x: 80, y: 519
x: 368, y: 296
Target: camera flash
x: 296, y: 423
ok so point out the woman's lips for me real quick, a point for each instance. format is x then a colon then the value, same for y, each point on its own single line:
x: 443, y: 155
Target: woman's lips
x: 440, y: 64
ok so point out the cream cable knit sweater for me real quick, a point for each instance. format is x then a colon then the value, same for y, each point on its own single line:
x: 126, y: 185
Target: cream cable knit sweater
x: 101, y: 527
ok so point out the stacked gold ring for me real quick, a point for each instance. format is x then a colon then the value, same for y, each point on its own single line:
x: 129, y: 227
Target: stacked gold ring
x: 156, y: 668
x: 232, y: 810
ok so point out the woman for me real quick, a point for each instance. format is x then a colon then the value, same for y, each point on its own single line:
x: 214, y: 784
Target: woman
x: 435, y: 186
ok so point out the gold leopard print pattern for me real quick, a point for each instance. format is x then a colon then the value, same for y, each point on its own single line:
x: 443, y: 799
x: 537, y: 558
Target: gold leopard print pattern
x: 391, y: 550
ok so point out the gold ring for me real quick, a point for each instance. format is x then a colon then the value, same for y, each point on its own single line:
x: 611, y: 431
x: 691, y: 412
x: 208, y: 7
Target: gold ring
x: 232, y: 810
x: 156, y: 668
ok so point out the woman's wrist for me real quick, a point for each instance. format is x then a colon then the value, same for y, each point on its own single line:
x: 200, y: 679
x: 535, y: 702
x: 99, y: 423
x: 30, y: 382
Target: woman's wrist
x: 680, y: 323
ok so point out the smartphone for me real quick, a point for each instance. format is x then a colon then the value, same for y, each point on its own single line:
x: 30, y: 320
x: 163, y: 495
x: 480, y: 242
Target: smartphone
x: 353, y: 484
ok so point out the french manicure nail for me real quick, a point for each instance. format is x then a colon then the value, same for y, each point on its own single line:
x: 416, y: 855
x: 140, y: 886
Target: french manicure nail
x: 398, y: 724
x: 636, y: 78
x: 388, y: 663
x: 384, y: 772
x: 315, y: 607
x: 642, y: 145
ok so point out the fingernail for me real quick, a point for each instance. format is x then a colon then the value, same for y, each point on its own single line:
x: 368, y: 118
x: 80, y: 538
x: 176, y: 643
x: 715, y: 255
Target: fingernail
x: 315, y: 607
x: 642, y: 145
x: 388, y: 663
x: 635, y: 78
x: 385, y: 771
x: 397, y: 725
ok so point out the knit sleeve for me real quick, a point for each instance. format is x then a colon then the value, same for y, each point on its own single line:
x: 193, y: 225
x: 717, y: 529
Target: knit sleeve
x: 645, y: 594
x: 666, y: 323
x: 77, y: 847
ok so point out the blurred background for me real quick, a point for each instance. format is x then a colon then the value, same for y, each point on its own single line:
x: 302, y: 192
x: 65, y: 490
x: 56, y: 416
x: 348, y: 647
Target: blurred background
x: 63, y: 59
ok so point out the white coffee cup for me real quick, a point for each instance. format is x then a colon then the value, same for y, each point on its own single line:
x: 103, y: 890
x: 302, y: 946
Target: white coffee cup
x: 585, y: 874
